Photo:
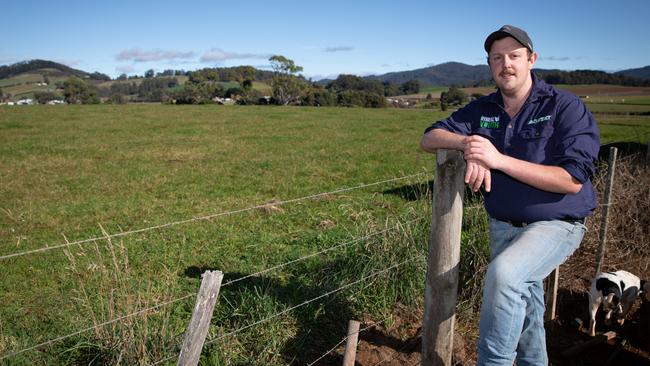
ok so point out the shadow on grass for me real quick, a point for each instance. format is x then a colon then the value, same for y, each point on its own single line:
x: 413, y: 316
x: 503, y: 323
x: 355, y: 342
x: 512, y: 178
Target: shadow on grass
x: 321, y: 324
x: 412, y: 192
x: 424, y: 190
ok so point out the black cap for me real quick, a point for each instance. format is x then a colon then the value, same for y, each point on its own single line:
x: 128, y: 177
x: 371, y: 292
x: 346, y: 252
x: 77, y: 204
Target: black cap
x: 509, y: 31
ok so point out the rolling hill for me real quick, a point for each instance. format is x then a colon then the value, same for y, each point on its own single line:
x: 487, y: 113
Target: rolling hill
x: 639, y: 73
x: 43, y: 67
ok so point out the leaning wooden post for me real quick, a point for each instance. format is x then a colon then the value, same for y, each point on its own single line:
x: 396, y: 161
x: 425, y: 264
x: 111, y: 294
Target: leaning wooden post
x: 444, y: 256
x: 197, y: 330
x: 608, y: 198
x: 351, y: 344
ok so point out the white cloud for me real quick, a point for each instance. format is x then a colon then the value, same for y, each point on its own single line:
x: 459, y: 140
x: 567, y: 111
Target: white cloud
x: 217, y: 54
x: 339, y: 49
x: 138, y: 55
x: 561, y: 58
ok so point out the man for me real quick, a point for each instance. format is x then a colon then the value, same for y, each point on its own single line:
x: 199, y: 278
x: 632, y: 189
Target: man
x: 532, y: 148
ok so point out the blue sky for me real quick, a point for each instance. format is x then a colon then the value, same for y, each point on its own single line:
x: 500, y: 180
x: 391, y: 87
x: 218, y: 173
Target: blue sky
x: 325, y: 37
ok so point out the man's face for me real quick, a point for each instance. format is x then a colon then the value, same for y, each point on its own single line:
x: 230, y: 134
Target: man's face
x: 510, y: 65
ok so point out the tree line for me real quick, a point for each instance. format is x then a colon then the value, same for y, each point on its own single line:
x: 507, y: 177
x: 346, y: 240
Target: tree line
x: 288, y: 87
x: 589, y: 77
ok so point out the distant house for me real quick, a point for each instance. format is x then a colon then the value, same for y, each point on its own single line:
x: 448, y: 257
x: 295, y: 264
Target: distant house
x: 26, y: 101
x: 56, y: 101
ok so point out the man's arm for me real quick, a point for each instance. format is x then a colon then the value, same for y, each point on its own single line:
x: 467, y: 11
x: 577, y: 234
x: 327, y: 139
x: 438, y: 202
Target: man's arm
x: 548, y: 178
x: 476, y: 173
x: 441, y: 139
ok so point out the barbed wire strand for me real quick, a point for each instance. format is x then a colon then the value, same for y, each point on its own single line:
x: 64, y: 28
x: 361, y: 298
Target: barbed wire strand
x: 366, y: 237
x: 215, y: 339
x: 343, y: 340
x: 202, y: 218
x: 58, y: 339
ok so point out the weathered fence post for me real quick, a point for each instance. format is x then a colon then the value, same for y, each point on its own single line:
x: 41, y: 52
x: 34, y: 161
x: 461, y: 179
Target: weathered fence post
x: 552, y: 282
x: 444, y: 256
x: 197, y: 330
x: 351, y: 344
x: 608, y: 198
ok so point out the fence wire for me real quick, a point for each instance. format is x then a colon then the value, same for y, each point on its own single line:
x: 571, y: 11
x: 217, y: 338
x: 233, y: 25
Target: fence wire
x: 201, y: 218
x: 185, y: 297
x: 218, y: 338
x: 342, y: 341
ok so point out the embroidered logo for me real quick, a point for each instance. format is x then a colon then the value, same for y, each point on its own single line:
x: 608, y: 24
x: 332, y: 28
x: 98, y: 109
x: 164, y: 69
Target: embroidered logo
x: 489, y: 122
x: 539, y: 119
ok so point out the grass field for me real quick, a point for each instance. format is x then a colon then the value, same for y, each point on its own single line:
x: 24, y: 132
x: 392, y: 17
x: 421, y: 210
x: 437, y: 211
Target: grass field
x: 66, y: 171
x: 76, y: 172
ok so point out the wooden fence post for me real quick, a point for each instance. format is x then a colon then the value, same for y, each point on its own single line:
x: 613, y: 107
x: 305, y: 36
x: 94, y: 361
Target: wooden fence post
x: 608, y: 198
x: 351, y: 344
x: 197, y: 330
x: 552, y: 282
x: 444, y: 256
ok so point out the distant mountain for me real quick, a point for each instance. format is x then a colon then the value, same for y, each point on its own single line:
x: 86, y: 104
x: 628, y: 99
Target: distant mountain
x: 44, y: 67
x: 640, y: 73
x: 449, y: 73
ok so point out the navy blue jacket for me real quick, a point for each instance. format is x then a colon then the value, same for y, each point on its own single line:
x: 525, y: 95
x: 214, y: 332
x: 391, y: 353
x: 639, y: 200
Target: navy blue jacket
x: 553, y: 127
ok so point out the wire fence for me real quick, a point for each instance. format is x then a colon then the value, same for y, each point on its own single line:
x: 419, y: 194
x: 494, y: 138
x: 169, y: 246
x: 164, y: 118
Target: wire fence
x: 231, y: 282
x: 262, y: 321
x: 201, y: 218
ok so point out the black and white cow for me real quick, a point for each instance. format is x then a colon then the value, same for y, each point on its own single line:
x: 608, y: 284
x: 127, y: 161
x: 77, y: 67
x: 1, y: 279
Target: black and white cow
x: 616, y: 292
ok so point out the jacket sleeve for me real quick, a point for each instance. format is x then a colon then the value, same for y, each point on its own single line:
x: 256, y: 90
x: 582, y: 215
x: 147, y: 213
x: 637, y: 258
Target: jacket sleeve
x: 578, y: 141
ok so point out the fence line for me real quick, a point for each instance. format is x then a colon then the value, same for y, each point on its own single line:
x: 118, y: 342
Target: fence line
x: 215, y: 339
x: 202, y: 218
x: 344, y: 244
x: 343, y: 340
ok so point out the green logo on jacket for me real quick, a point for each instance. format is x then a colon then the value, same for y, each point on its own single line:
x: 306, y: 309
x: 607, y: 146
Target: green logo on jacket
x: 489, y: 122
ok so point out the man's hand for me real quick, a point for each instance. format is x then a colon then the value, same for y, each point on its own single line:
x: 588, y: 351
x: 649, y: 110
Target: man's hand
x: 481, y: 150
x: 476, y: 173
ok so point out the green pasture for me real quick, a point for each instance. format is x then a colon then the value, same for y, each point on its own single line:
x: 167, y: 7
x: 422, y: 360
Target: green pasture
x: 77, y: 172
x: 616, y: 100
x: 433, y: 89
x: 618, y: 108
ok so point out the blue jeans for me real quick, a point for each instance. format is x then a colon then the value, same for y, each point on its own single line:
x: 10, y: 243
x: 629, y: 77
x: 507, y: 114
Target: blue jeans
x: 512, y: 313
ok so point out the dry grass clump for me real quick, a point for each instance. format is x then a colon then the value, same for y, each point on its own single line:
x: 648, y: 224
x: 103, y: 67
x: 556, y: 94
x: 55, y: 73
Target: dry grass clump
x: 106, y: 292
